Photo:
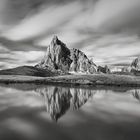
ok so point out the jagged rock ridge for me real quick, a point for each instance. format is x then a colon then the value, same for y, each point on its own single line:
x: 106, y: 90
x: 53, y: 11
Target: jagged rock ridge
x: 80, y: 62
x: 59, y: 57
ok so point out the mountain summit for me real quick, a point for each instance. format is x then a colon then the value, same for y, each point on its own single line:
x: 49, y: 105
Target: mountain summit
x: 59, y: 57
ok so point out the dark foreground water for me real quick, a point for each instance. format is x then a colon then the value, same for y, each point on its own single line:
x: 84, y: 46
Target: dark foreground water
x: 44, y: 112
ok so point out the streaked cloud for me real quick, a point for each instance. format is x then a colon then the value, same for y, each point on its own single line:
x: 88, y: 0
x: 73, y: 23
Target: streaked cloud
x: 106, y: 30
x: 19, y: 58
x: 47, y: 20
x: 120, y: 15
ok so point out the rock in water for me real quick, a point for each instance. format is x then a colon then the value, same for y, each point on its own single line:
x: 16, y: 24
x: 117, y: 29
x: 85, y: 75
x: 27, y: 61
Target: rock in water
x: 59, y: 57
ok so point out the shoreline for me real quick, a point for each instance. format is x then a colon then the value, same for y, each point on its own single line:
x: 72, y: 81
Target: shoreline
x: 88, y: 79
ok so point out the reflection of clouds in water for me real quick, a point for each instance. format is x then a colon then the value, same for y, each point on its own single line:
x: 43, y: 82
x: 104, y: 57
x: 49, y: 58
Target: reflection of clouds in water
x: 106, y: 115
x: 112, y: 107
x: 23, y: 127
x: 14, y: 98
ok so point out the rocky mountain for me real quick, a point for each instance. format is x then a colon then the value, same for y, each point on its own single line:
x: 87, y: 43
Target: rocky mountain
x: 58, y: 60
x: 81, y: 63
x: 59, y: 57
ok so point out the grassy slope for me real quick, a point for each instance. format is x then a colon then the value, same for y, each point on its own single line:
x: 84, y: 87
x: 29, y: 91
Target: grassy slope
x: 95, y: 79
x: 28, y: 71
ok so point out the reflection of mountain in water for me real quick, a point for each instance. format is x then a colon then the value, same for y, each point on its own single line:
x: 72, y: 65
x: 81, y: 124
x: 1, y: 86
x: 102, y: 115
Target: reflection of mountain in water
x: 136, y: 93
x: 59, y: 99
x: 79, y: 97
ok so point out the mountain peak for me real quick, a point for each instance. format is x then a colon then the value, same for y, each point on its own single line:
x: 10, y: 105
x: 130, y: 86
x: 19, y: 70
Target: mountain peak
x: 55, y: 38
x: 59, y: 57
x: 56, y: 41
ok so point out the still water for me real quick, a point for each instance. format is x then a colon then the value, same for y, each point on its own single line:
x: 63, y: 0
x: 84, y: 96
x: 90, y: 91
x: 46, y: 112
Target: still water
x: 41, y: 112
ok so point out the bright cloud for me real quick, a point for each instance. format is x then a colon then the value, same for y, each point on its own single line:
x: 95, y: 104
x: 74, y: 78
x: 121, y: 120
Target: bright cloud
x: 18, y: 58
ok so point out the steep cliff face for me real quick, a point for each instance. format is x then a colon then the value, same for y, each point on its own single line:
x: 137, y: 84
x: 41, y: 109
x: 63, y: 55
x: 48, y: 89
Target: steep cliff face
x: 80, y: 62
x: 59, y: 57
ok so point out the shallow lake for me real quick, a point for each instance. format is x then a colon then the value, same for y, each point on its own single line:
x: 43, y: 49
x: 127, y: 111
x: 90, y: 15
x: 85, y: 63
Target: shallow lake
x: 41, y: 112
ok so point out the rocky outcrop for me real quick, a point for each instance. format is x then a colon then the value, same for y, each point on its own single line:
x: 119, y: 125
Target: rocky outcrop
x: 80, y: 62
x: 59, y: 57
x: 103, y: 69
x: 135, y: 67
x: 136, y: 64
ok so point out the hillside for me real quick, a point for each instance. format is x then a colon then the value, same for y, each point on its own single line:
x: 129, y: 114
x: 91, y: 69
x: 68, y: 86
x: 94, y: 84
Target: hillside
x: 27, y: 71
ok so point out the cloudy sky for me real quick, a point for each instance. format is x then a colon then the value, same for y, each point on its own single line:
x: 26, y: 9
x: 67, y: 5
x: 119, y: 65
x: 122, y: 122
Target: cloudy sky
x: 107, y: 30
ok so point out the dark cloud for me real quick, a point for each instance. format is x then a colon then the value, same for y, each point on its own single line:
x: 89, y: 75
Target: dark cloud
x: 11, y: 45
x: 16, y: 10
